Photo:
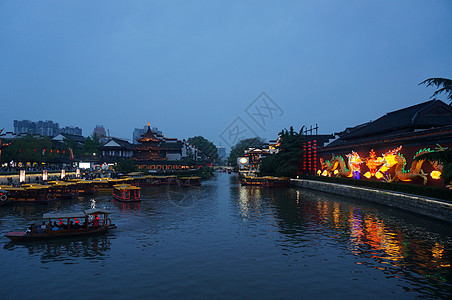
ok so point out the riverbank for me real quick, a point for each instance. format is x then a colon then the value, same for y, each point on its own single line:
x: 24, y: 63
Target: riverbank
x: 426, y: 206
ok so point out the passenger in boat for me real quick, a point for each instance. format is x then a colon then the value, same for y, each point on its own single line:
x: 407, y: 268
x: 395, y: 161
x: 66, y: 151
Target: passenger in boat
x: 55, y: 227
x: 96, y: 221
x: 76, y: 225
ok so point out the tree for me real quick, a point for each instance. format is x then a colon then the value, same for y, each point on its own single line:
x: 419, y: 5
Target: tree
x: 207, y: 148
x: 288, y: 161
x: 30, y: 149
x: 126, y: 166
x: 239, y: 149
x: 91, y: 145
x: 444, y: 85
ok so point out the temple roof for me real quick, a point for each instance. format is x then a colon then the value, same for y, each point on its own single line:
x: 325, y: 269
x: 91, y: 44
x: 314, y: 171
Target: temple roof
x: 434, y: 113
x: 148, y: 137
x: 410, y: 121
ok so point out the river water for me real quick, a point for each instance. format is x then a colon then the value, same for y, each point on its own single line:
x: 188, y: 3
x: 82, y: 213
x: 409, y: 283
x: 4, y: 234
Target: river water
x: 224, y: 241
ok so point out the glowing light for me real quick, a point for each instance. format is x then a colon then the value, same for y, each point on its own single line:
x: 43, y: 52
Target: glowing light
x: 325, y: 173
x: 319, y: 172
x: 335, y: 172
x: 44, y: 175
x: 243, y: 160
x: 379, y: 175
x: 367, y: 175
x: 22, y: 176
x: 435, y: 174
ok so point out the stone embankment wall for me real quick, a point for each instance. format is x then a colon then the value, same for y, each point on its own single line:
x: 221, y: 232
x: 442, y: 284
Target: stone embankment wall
x: 418, y: 204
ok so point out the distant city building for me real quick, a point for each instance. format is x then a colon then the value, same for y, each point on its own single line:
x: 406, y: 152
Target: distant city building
x: 47, y: 128
x: 24, y: 126
x: 221, y: 152
x: 71, y: 130
x: 99, y: 130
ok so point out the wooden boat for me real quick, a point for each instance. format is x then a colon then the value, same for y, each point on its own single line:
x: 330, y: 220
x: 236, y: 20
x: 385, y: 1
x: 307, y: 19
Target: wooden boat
x: 126, y: 193
x: 29, y: 194
x: 102, y: 184
x: 267, y: 181
x: 64, y: 189
x: 100, y: 223
x: 159, y: 180
x: 190, y: 181
x: 85, y: 187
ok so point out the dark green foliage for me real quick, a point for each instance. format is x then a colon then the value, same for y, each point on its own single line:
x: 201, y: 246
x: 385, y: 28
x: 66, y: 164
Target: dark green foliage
x: 91, y: 145
x: 427, y: 191
x: 207, y: 148
x: 444, y: 85
x: 288, y: 161
x: 238, y: 149
x: 126, y: 166
x: 34, y: 149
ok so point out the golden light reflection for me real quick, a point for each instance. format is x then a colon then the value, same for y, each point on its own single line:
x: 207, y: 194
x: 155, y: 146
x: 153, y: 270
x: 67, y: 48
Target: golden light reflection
x: 336, y: 214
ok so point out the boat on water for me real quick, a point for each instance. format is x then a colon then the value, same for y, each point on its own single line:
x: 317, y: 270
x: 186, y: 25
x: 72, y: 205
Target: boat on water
x: 267, y: 181
x: 64, y: 189
x: 85, y: 187
x: 29, y: 194
x: 190, y: 181
x: 126, y: 193
x: 94, y: 221
x: 159, y: 180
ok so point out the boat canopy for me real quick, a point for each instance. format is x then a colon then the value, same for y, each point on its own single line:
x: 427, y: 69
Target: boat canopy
x: 97, y: 211
x: 64, y: 215
x: 82, y: 214
x: 126, y: 187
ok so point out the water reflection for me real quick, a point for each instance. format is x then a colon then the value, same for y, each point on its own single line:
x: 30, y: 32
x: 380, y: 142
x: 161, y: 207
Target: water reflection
x: 66, y: 250
x: 400, y: 250
x: 127, y: 206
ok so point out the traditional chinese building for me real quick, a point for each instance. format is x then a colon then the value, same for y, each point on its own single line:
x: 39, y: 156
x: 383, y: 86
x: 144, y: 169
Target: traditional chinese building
x: 155, y: 152
x: 385, y: 148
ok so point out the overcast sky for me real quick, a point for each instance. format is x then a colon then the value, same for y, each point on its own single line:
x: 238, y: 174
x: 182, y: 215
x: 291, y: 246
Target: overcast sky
x: 200, y: 67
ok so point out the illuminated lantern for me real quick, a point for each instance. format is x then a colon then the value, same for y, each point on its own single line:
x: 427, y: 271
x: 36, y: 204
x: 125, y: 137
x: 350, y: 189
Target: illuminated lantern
x: 319, y: 172
x: 367, y: 175
x: 324, y: 173
x: 22, y: 176
x: 335, y: 172
x: 435, y: 174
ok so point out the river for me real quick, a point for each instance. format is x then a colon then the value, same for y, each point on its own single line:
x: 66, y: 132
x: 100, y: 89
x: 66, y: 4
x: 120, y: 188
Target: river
x: 224, y: 241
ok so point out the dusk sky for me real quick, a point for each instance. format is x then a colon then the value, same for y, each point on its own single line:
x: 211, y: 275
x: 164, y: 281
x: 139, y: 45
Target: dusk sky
x: 200, y: 67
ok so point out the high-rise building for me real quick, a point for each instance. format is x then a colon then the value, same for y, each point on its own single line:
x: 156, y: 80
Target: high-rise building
x: 71, y: 130
x: 47, y: 128
x: 99, y: 130
x: 221, y: 152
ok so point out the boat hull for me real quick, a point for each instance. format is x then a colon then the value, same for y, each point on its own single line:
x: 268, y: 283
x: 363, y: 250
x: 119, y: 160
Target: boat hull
x: 22, y: 236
